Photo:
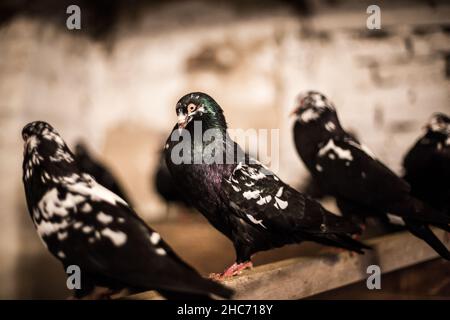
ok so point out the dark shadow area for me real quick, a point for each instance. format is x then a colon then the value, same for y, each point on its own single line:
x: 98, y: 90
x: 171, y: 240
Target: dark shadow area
x: 100, y: 17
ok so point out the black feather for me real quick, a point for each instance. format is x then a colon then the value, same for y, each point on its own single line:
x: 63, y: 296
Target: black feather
x: 166, y: 186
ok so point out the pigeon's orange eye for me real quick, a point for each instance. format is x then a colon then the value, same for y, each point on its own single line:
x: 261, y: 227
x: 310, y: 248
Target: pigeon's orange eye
x: 191, y: 107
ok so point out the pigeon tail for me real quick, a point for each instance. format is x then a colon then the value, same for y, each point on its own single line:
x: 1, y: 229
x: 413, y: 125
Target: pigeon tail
x: 337, y: 224
x: 199, y: 288
x: 417, y: 210
x: 341, y: 241
x: 423, y: 232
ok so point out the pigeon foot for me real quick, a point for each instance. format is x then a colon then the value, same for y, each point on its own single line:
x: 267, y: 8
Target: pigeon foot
x: 232, y: 271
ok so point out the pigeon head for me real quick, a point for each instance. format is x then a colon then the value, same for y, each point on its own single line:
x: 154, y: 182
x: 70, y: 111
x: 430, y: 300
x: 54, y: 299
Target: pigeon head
x: 43, y: 144
x: 35, y: 128
x: 41, y: 137
x: 198, y: 106
x: 439, y: 124
x: 314, y: 107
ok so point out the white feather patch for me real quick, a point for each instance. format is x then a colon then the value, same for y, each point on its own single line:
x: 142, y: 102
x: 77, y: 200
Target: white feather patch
x: 330, y: 126
x: 154, y: 238
x: 87, y: 229
x: 341, y: 153
x: 50, y: 204
x: 96, y: 192
x: 281, y: 203
x: 46, y: 228
x: 104, y: 218
x: 251, y: 194
x: 264, y: 200
x: 161, y: 251
x: 279, y: 192
x: 309, y: 115
x: 118, y: 238
x: 255, y: 221
x: 395, y: 219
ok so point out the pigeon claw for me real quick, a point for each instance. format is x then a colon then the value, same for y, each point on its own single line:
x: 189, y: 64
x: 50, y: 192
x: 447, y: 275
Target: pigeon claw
x: 232, y: 271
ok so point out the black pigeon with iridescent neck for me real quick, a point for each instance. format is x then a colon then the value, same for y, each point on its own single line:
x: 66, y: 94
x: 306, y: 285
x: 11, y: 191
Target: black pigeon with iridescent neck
x: 238, y: 195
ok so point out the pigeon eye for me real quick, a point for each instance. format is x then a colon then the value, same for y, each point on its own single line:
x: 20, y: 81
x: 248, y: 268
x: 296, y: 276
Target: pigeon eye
x: 191, y: 107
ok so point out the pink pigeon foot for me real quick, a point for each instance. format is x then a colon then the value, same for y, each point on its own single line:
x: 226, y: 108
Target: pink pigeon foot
x: 232, y: 271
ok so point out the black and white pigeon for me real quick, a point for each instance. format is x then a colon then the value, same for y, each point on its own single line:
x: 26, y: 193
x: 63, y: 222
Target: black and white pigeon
x: 427, y: 164
x: 345, y: 168
x: 99, y: 171
x: 238, y: 195
x: 82, y: 223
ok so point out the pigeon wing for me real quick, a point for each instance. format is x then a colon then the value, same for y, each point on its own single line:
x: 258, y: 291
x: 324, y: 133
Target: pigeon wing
x: 105, y: 238
x: 354, y: 172
x: 259, y: 197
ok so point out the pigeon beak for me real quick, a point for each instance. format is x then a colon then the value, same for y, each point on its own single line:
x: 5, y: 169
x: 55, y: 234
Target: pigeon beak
x: 182, y: 121
x: 294, y: 112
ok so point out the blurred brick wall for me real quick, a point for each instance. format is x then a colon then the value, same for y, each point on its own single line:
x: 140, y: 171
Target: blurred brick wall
x: 119, y: 94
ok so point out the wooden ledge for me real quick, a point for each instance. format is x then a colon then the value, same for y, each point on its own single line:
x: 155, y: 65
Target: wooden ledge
x: 306, y: 276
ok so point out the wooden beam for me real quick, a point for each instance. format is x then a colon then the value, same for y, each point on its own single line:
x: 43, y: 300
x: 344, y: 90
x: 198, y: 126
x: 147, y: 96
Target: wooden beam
x: 306, y: 276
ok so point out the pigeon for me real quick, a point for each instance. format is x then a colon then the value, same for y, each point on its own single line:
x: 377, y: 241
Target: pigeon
x: 88, y: 164
x: 166, y: 186
x: 238, y: 195
x: 427, y: 164
x: 348, y: 170
x: 84, y: 224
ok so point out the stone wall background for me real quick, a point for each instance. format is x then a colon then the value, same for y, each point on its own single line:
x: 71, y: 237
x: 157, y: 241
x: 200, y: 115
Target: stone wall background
x: 118, y: 92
